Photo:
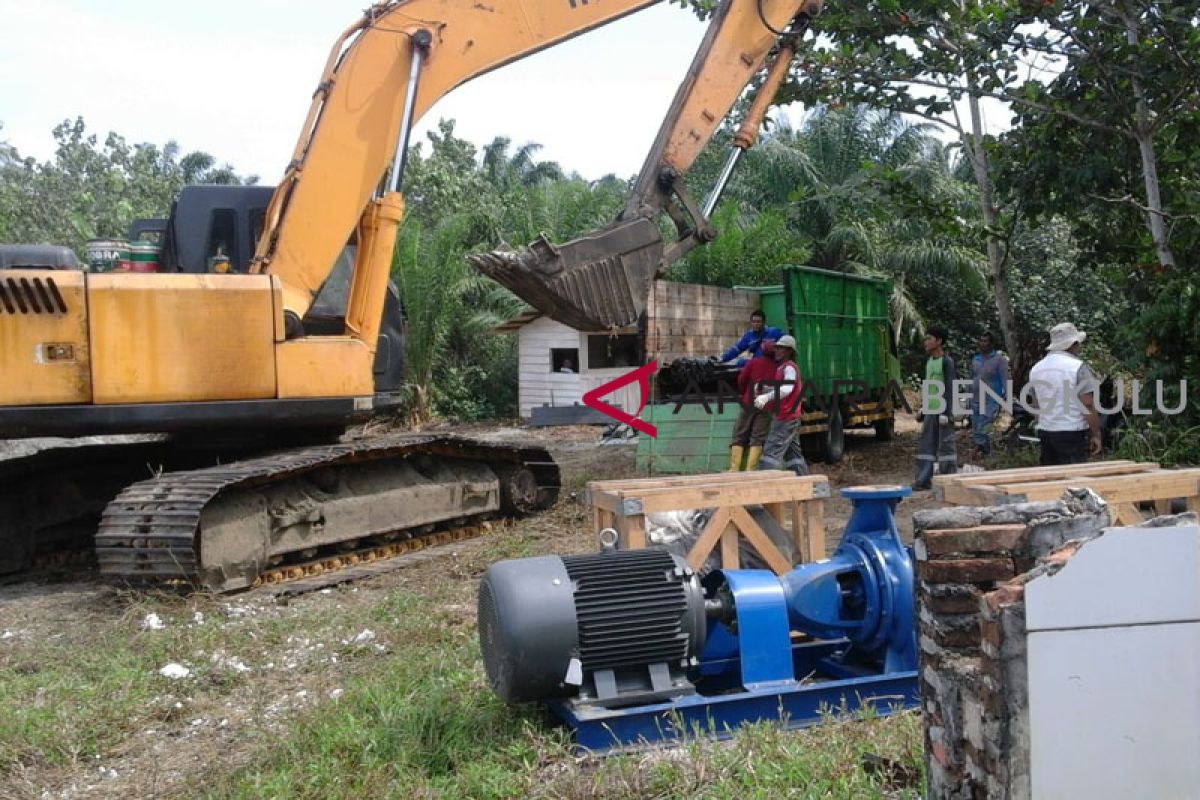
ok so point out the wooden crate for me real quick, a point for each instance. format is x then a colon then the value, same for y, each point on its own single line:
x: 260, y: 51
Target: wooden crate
x: 1124, y: 485
x: 623, y: 504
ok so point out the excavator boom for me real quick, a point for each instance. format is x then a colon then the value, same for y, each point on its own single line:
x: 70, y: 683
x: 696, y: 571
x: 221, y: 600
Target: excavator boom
x: 355, y: 121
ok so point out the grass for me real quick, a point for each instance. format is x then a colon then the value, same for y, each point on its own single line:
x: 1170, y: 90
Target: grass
x: 82, y: 681
x: 424, y: 725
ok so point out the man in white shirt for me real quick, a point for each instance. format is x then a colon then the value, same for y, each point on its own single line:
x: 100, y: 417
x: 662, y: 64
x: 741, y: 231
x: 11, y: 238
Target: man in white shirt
x: 1065, y: 388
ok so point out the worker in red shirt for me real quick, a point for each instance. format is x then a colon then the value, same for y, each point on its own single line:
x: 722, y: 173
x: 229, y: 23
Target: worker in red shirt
x: 750, y: 430
x: 782, y: 401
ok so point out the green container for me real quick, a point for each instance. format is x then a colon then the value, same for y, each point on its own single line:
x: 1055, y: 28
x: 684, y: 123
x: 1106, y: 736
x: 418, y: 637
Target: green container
x: 841, y: 327
x: 689, y: 442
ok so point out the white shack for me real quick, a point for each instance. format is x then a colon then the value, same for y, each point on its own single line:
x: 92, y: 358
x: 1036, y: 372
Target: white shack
x: 558, y: 364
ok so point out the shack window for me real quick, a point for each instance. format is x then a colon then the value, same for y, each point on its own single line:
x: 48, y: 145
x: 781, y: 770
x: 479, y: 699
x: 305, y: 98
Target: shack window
x: 564, y: 359
x: 608, y: 351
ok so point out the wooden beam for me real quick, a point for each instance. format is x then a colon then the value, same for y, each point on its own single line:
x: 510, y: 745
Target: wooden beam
x: 1127, y: 514
x: 687, y: 480
x: 633, y: 532
x: 713, y: 491
x: 1166, y: 484
x: 729, y: 548
x: 815, y: 511
x: 727, y: 497
x: 959, y: 495
x: 800, y: 532
x: 1033, y: 474
x: 761, y: 542
x: 716, y: 483
x: 708, y: 538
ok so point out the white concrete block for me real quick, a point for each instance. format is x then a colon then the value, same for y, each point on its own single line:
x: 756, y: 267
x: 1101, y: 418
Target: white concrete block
x: 1115, y: 712
x: 1128, y: 576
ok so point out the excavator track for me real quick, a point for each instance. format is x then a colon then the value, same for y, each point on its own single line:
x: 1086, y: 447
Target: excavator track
x: 304, y: 512
x: 302, y: 578
x: 51, y: 499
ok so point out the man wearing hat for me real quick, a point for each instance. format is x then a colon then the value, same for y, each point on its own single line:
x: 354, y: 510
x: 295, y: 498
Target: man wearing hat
x: 1065, y: 388
x: 782, y: 399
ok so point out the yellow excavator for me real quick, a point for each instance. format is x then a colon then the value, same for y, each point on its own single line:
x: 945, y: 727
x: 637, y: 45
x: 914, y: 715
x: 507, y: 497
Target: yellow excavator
x: 253, y: 373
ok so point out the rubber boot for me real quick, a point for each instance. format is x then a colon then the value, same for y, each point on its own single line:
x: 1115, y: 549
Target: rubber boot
x: 735, y: 457
x: 752, y: 457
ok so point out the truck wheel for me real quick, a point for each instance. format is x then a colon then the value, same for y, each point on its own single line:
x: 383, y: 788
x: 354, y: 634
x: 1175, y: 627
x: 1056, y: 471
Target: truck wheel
x: 833, y: 441
x: 885, y: 429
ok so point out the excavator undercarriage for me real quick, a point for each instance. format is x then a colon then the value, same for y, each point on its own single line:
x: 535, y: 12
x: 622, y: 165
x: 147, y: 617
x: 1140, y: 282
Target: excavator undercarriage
x: 266, y: 519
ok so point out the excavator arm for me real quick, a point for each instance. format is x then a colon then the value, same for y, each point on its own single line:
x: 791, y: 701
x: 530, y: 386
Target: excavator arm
x: 601, y: 281
x: 389, y: 67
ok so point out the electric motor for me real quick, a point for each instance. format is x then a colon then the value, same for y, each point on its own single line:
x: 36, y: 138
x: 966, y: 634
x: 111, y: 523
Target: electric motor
x: 625, y: 624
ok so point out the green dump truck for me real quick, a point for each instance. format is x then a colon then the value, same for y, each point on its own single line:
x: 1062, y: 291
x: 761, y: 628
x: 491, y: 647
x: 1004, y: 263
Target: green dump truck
x: 847, y: 361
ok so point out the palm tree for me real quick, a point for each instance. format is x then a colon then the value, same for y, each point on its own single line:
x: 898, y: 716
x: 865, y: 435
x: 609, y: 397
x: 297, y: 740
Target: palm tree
x: 861, y: 165
x: 520, y: 169
x: 448, y: 305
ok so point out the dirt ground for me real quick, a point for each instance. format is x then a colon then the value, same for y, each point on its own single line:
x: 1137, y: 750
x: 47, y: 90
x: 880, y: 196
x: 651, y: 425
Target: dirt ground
x: 163, y: 758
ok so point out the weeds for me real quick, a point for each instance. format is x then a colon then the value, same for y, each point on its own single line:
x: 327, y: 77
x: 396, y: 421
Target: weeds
x: 1166, y: 442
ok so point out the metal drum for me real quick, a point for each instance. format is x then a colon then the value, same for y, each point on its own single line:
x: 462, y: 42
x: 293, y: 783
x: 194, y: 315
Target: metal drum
x: 144, y: 256
x: 108, y: 255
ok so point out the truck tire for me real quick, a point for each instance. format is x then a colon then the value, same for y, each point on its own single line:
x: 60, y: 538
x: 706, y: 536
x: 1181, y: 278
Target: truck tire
x: 833, y: 440
x: 885, y: 429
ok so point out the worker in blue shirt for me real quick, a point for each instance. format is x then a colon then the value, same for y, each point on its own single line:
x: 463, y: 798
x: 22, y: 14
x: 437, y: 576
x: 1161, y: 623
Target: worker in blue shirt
x: 752, y: 340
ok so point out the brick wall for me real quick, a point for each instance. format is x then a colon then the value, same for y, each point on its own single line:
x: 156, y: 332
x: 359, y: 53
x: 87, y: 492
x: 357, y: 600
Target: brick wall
x: 972, y: 564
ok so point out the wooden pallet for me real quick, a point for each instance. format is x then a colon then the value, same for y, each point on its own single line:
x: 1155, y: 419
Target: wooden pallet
x: 623, y: 504
x: 1124, y: 485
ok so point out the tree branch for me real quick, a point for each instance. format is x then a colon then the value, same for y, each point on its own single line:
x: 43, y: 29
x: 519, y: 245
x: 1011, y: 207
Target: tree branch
x: 1007, y: 97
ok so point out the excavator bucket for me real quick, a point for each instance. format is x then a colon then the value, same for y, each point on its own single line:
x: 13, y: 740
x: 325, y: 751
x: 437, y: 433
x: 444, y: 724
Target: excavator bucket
x: 594, y: 283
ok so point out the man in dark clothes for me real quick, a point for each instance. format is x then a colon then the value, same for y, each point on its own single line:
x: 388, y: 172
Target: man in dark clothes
x: 936, y: 445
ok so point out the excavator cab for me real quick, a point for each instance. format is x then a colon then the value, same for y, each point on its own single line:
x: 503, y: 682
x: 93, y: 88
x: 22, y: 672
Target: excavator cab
x: 207, y: 222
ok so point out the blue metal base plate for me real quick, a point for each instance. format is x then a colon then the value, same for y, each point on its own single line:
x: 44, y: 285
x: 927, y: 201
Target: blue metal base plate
x: 795, y: 705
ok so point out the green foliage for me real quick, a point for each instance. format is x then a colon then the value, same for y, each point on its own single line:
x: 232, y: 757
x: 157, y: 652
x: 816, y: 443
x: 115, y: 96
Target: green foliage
x: 751, y: 249
x: 879, y: 197
x: 95, y: 190
x: 1169, y: 441
x: 462, y: 202
x: 1109, y: 148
